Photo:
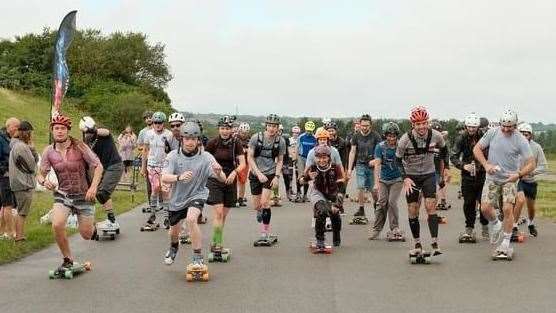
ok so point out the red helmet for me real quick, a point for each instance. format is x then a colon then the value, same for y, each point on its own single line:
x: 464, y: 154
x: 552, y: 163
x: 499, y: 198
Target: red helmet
x: 419, y: 114
x: 61, y: 120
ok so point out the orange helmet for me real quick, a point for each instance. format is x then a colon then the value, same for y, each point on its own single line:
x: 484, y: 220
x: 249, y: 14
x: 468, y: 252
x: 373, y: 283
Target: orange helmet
x: 322, y: 133
x: 61, y: 120
x: 418, y: 114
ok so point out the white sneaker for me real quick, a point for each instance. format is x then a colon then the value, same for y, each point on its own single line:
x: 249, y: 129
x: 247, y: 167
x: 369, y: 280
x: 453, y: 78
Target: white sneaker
x: 494, y: 231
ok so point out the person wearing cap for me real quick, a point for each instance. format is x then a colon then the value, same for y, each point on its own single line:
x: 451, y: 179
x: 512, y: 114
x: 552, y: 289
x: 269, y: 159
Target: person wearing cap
x: 22, y: 169
x: 509, y: 159
x: 243, y: 136
x: 7, y: 198
x: 293, y: 153
x: 527, y: 185
x: 305, y: 143
x: 70, y: 159
x: 147, y: 118
x: 188, y: 170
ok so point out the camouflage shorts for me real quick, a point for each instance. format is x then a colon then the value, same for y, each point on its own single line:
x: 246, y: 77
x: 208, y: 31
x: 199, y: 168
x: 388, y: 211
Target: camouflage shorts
x: 494, y: 193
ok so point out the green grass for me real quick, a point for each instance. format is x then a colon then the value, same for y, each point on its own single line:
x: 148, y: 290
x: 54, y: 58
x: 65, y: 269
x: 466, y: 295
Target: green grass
x: 37, y: 111
x: 546, y: 199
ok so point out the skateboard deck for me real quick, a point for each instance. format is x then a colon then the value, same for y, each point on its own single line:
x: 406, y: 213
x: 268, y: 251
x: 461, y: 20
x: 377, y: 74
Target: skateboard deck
x: 467, y: 239
x: 266, y: 243
x: 224, y: 257
x: 75, y: 270
x: 390, y: 236
x: 420, y: 258
x: 313, y: 248
x: 196, y: 274
x: 107, y: 233
x: 496, y: 256
x: 154, y: 228
x: 359, y: 220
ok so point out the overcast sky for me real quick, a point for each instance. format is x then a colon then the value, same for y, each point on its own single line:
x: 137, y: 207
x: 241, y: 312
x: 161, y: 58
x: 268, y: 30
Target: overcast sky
x: 335, y: 58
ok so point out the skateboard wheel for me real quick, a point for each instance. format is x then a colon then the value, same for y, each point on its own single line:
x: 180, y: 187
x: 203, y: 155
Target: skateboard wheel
x: 68, y: 274
x: 88, y: 266
x: 205, y: 277
x: 189, y: 277
x: 113, y: 237
x: 211, y: 257
x: 226, y: 257
x: 142, y: 229
x: 51, y: 274
x: 117, y: 231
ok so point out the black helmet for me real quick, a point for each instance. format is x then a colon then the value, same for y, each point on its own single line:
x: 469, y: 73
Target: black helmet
x: 226, y: 121
x: 484, y: 122
x: 436, y: 126
x: 460, y: 126
x: 365, y: 117
x: 147, y: 114
x: 330, y: 125
x: 390, y: 128
x: 190, y: 129
x: 272, y: 119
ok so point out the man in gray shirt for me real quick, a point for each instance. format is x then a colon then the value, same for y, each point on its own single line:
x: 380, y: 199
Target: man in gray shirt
x: 265, y: 157
x: 188, y: 169
x: 527, y: 185
x: 506, y: 147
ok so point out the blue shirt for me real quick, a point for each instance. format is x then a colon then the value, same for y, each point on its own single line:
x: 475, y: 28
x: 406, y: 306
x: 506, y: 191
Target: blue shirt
x: 387, y: 155
x: 306, y: 142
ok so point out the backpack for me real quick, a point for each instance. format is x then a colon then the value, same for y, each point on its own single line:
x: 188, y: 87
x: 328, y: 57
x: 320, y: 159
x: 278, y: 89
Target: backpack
x: 260, y: 146
x: 418, y: 150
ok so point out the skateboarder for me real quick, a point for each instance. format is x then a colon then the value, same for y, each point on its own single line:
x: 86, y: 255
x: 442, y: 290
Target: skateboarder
x: 188, y: 169
x: 70, y: 159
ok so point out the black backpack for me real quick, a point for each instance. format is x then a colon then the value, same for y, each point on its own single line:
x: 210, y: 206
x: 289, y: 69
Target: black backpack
x: 260, y: 146
x: 426, y: 148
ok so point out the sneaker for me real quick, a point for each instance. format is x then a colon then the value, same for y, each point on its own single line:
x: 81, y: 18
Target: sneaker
x: 166, y: 223
x: 360, y: 212
x: 197, y: 260
x: 170, y: 256
x: 484, y: 232
x: 494, y: 230
x: 533, y: 230
x: 435, y: 249
x: 417, y: 250
x: 469, y: 231
x: 373, y: 234
x: 336, y: 240
x: 320, y: 244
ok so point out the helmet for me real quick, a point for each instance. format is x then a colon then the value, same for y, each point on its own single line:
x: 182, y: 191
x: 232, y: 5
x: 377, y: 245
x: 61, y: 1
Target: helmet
x: 484, y: 122
x: 419, y: 114
x: 244, y: 127
x: 147, y: 114
x: 296, y: 130
x: 330, y: 125
x: 322, y: 133
x: 508, y: 118
x: 472, y: 120
x: 460, y: 126
x: 437, y: 126
x: 390, y: 128
x: 525, y: 127
x: 190, y: 129
x: 272, y: 119
x: 326, y: 120
x: 310, y: 126
x: 86, y: 123
x: 226, y: 121
x: 176, y: 117
x: 159, y: 117
x: 365, y: 117
x: 61, y: 120
x: 322, y: 151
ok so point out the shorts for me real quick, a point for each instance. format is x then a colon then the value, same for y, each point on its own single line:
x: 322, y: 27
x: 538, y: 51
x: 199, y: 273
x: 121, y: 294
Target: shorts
x: 365, y: 177
x: 529, y: 189
x: 76, y: 204
x: 128, y: 163
x: 243, y: 174
x: 23, y: 200
x: 257, y: 186
x: 154, y: 175
x: 494, y: 193
x: 7, y: 197
x: 174, y: 217
x: 110, y: 179
x: 424, y: 184
x: 220, y: 193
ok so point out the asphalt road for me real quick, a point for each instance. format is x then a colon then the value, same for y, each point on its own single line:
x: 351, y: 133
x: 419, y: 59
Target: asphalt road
x: 361, y: 276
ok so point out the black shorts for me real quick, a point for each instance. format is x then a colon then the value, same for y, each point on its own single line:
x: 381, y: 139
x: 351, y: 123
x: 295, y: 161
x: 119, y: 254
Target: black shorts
x: 128, y: 163
x: 425, y: 185
x: 220, y: 193
x: 257, y: 186
x: 174, y: 217
x: 529, y: 189
x: 7, y: 197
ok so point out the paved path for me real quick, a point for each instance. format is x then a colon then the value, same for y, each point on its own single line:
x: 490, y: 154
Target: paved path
x: 361, y: 276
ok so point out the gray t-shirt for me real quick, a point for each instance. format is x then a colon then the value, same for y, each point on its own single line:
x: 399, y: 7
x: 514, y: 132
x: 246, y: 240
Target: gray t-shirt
x: 265, y: 162
x: 505, y: 152
x: 334, y: 155
x: 540, y: 160
x: 419, y: 163
x: 141, y: 136
x: 174, y: 143
x: 184, y: 192
x: 157, y: 146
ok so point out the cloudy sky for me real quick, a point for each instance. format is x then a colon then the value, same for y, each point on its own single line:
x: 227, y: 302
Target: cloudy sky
x: 335, y: 58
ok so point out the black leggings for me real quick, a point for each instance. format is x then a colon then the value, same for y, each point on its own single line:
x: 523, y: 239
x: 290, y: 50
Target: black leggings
x: 288, y: 182
x: 471, y: 190
x: 322, y: 210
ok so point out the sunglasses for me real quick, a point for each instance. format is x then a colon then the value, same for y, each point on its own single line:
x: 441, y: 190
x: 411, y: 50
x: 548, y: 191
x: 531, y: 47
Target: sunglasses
x: 158, y: 123
x: 175, y: 125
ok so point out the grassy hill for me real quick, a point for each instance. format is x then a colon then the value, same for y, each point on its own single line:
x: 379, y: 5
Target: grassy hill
x: 37, y: 111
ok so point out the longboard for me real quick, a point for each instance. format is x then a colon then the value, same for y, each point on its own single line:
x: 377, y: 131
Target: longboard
x: 496, y: 256
x: 75, y: 270
x: 266, y: 243
x: 313, y: 248
x: 196, y: 274
x: 420, y: 258
x: 225, y: 256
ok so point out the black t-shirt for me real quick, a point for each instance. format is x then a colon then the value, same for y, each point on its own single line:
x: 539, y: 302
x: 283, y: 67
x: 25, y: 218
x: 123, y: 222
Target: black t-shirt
x: 105, y: 148
x: 225, y: 152
x: 340, y: 145
x: 365, y: 145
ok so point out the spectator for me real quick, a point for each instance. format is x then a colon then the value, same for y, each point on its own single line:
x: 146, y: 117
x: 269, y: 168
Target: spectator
x: 7, y: 199
x: 127, y: 141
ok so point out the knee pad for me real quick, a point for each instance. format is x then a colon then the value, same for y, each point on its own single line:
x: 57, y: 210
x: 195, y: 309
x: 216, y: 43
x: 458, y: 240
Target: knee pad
x: 266, y: 214
x: 103, y: 196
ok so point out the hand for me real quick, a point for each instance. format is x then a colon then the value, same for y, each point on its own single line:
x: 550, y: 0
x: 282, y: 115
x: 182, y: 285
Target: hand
x: 301, y: 180
x: 513, y: 178
x: 491, y: 169
x: 262, y: 178
x: 274, y: 182
x: 231, y: 178
x: 91, y: 194
x: 313, y: 175
x: 186, y: 176
x: 408, y: 186
x: 468, y: 167
x: 49, y: 185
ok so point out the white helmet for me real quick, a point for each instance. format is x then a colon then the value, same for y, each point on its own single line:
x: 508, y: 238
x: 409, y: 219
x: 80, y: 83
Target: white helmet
x: 86, y: 123
x: 176, y: 117
x: 509, y: 118
x: 296, y: 130
x: 326, y: 120
x: 525, y: 127
x: 244, y: 127
x: 472, y: 120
